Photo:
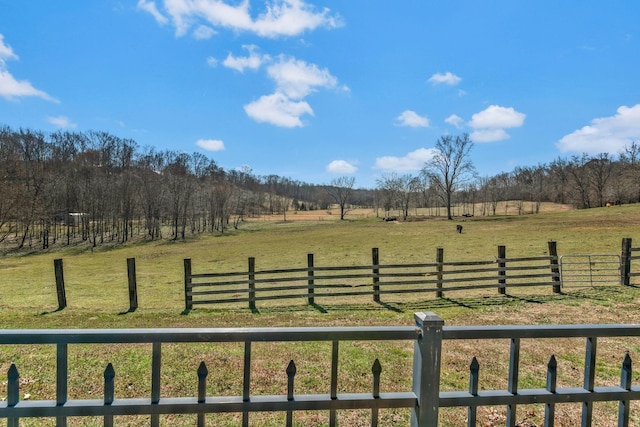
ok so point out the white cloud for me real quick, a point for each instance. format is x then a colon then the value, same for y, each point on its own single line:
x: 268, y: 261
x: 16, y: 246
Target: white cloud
x: 297, y: 79
x: 212, y: 62
x: 150, y: 7
x: 496, y: 116
x: 605, y: 134
x: 62, y: 122
x: 5, y: 51
x: 239, y: 63
x: 203, y: 32
x: 341, y: 167
x: 454, y: 120
x: 278, y: 109
x: 280, y: 17
x: 413, y: 161
x: 412, y: 119
x: 447, y: 78
x: 294, y: 80
x: 489, y: 135
x: 293, y: 17
x: 489, y: 125
x: 210, y: 144
x: 10, y: 87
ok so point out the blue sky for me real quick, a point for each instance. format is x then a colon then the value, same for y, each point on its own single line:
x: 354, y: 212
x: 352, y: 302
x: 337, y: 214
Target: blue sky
x: 314, y: 90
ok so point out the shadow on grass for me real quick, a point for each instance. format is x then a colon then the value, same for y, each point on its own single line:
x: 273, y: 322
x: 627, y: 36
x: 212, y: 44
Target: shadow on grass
x: 319, y: 308
x: 131, y: 310
x: 44, y: 313
x: 572, y: 296
x: 390, y: 306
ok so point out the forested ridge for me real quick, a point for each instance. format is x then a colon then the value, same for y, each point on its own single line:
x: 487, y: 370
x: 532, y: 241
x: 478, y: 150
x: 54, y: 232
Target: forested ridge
x: 66, y: 188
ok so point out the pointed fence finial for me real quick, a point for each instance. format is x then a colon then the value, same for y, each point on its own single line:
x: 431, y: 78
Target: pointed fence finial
x: 13, y: 385
x: 376, y: 369
x: 552, y: 374
x: 626, y: 373
x: 202, y: 382
x: 474, y: 375
x: 109, y: 375
x: 291, y: 373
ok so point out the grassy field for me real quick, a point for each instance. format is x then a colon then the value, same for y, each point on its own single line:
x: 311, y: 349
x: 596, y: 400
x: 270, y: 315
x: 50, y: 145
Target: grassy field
x: 96, y: 286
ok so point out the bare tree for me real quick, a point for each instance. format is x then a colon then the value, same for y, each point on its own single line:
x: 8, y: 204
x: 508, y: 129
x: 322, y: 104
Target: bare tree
x: 559, y: 179
x: 151, y: 190
x: 579, y: 173
x: 600, y: 171
x: 398, y: 191
x: 630, y: 160
x: 451, y: 166
x: 340, y: 191
x: 10, y: 187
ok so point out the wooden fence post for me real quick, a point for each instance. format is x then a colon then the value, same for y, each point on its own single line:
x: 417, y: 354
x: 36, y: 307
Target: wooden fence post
x: 188, y: 298
x: 439, y: 268
x: 310, y: 281
x: 252, y: 283
x: 502, y: 282
x: 555, y: 269
x: 375, y: 260
x: 625, y: 261
x: 426, y: 369
x: 133, y: 286
x: 62, y: 296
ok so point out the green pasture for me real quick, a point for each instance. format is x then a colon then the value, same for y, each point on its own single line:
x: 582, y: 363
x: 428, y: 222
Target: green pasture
x: 97, y: 296
x: 96, y: 280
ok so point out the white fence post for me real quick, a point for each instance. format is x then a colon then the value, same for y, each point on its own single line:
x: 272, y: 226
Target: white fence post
x: 426, y: 369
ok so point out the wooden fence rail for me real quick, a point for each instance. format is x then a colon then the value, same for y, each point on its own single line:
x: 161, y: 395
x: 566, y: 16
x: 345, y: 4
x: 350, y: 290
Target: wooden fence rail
x: 423, y: 400
x: 375, y: 279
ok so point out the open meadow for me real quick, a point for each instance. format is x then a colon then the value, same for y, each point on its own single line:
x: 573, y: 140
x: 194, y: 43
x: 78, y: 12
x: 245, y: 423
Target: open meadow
x: 96, y: 291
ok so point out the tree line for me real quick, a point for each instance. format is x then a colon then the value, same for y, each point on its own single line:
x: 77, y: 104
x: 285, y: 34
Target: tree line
x: 449, y: 179
x: 65, y: 188
x: 69, y: 187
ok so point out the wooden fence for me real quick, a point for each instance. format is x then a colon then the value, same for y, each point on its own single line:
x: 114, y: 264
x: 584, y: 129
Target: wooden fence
x: 376, y: 279
x: 423, y: 399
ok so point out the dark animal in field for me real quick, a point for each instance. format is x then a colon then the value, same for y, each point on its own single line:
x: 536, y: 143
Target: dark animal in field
x: 389, y: 218
x: 459, y: 228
